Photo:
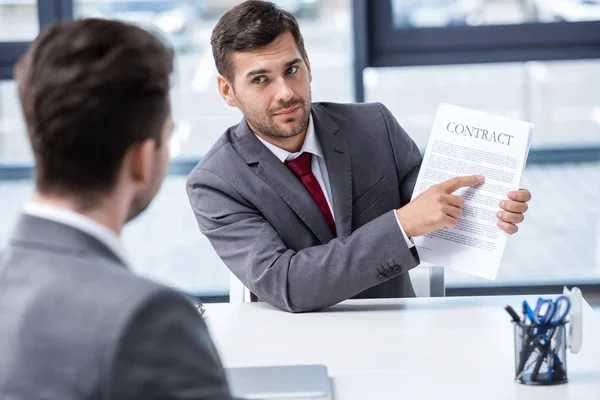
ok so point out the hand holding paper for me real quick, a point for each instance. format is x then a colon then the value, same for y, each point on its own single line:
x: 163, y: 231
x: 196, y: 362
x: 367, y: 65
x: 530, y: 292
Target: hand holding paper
x: 513, y: 210
x: 466, y: 142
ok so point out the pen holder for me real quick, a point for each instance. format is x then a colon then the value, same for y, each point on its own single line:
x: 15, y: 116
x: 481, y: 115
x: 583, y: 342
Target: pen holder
x: 540, y: 353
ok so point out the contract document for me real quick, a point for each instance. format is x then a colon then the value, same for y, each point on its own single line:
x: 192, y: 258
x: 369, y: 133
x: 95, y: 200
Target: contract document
x: 469, y: 142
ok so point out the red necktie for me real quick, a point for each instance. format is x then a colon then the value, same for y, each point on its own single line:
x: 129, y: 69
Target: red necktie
x: 301, y: 167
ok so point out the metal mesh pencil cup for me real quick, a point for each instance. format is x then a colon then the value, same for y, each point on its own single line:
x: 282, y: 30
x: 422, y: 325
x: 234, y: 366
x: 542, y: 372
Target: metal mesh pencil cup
x: 540, y: 353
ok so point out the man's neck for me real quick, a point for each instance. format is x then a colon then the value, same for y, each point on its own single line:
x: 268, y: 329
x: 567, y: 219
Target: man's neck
x: 103, y: 215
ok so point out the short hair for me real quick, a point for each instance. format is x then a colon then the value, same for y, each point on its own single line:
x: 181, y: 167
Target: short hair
x: 89, y: 90
x: 250, y: 25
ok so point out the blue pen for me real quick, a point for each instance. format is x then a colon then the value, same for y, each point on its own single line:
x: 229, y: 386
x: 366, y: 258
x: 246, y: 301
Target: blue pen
x: 527, y: 310
x: 550, y: 362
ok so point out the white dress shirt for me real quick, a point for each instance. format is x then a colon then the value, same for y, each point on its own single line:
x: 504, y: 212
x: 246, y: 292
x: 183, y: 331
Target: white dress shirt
x: 81, y: 223
x: 319, y: 167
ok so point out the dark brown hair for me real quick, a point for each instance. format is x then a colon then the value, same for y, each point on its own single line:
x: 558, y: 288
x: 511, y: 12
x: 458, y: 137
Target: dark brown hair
x: 250, y: 25
x: 90, y: 89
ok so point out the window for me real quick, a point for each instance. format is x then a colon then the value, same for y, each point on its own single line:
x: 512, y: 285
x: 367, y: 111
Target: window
x: 526, y: 59
x: 19, y: 20
x: 445, y: 32
x: 15, y: 187
x: 559, y: 241
x: 445, y: 13
x: 559, y: 97
x: 14, y: 148
x: 404, y: 51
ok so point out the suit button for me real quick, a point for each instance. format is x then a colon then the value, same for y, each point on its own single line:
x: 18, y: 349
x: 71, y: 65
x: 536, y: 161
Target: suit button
x: 396, y: 270
x: 381, y: 277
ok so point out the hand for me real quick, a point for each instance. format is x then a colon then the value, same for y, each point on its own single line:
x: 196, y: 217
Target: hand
x: 436, y: 207
x: 513, y: 210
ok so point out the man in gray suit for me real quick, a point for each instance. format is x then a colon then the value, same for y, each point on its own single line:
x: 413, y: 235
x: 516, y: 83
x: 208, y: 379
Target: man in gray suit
x: 309, y: 204
x: 74, y: 322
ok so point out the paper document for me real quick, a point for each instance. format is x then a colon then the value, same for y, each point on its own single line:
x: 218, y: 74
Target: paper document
x: 467, y: 142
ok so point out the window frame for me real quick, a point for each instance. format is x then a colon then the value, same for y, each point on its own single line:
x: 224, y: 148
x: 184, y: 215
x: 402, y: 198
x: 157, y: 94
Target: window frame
x: 377, y: 43
x: 48, y: 12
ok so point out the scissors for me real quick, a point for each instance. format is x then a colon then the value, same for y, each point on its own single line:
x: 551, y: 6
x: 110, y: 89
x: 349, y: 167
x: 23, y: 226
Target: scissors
x: 548, y: 311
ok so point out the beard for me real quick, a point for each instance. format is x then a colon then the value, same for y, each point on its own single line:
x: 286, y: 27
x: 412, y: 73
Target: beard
x: 275, y: 127
x: 138, y: 205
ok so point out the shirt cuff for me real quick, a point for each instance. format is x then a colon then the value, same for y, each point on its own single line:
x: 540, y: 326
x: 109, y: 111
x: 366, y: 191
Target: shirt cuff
x: 409, y: 242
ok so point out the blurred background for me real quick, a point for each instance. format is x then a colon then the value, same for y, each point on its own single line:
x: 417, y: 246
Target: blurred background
x: 560, y: 240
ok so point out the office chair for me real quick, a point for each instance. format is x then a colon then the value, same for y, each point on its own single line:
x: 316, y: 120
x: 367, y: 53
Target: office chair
x: 428, y: 281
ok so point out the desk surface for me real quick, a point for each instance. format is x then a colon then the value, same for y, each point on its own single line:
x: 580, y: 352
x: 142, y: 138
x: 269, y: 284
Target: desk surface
x: 425, y: 348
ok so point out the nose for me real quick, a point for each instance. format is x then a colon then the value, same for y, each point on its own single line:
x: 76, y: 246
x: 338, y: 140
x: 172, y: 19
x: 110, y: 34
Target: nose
x: 284, y: 92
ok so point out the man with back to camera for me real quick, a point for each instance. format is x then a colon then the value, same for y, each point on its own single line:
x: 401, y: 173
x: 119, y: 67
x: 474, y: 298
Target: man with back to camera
x: 308, y: 204
x: 74, y: 322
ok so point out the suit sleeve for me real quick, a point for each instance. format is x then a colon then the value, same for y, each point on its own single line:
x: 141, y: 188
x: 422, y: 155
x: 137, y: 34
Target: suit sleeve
x: 310, y: 279
x: 406, y: 155
x: 165, y: 352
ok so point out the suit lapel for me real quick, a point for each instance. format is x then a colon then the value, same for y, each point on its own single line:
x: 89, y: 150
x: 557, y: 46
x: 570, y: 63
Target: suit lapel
x: 339, y: 169
x: 275, y: 174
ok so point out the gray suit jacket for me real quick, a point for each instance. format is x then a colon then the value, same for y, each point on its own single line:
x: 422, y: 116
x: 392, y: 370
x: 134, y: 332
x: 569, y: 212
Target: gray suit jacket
x: 76, y: 324
x: 267, y: 229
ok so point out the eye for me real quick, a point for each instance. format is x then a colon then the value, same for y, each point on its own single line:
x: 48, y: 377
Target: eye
x: 259, y: 79
x: 292, y: 70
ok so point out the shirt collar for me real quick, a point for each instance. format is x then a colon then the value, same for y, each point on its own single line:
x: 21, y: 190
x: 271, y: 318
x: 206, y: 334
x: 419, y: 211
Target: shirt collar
x: 81, y: 223
x: 311, y: 145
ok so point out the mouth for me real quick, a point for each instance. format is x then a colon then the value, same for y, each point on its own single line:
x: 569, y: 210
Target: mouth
x: 288, y: 112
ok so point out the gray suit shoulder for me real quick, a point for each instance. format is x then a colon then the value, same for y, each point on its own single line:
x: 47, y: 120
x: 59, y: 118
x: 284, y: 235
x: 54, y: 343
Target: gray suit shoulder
x: 217, y: 157
x: 223, y: 144
x: 124, y: 292
x: 366, y: 120
x: 164, y: 350
x: 156, y: 343
x: 345, y: 109
x: 353, y: 111
x: 91, y: 315
x: 118, y: 287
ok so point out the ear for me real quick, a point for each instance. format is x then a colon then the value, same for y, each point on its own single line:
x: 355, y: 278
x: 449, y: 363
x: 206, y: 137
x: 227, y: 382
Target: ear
x: 226, y: 90
x: 140, y: 160
x: 307, y: 61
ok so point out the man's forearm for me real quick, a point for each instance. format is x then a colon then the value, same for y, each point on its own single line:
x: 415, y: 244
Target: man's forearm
x: 321, y: 276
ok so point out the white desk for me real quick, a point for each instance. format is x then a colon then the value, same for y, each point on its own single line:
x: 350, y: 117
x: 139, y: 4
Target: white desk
x: 425, y: 348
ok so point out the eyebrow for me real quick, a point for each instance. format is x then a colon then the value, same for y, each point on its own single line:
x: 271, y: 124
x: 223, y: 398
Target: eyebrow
x: 266, y: 71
